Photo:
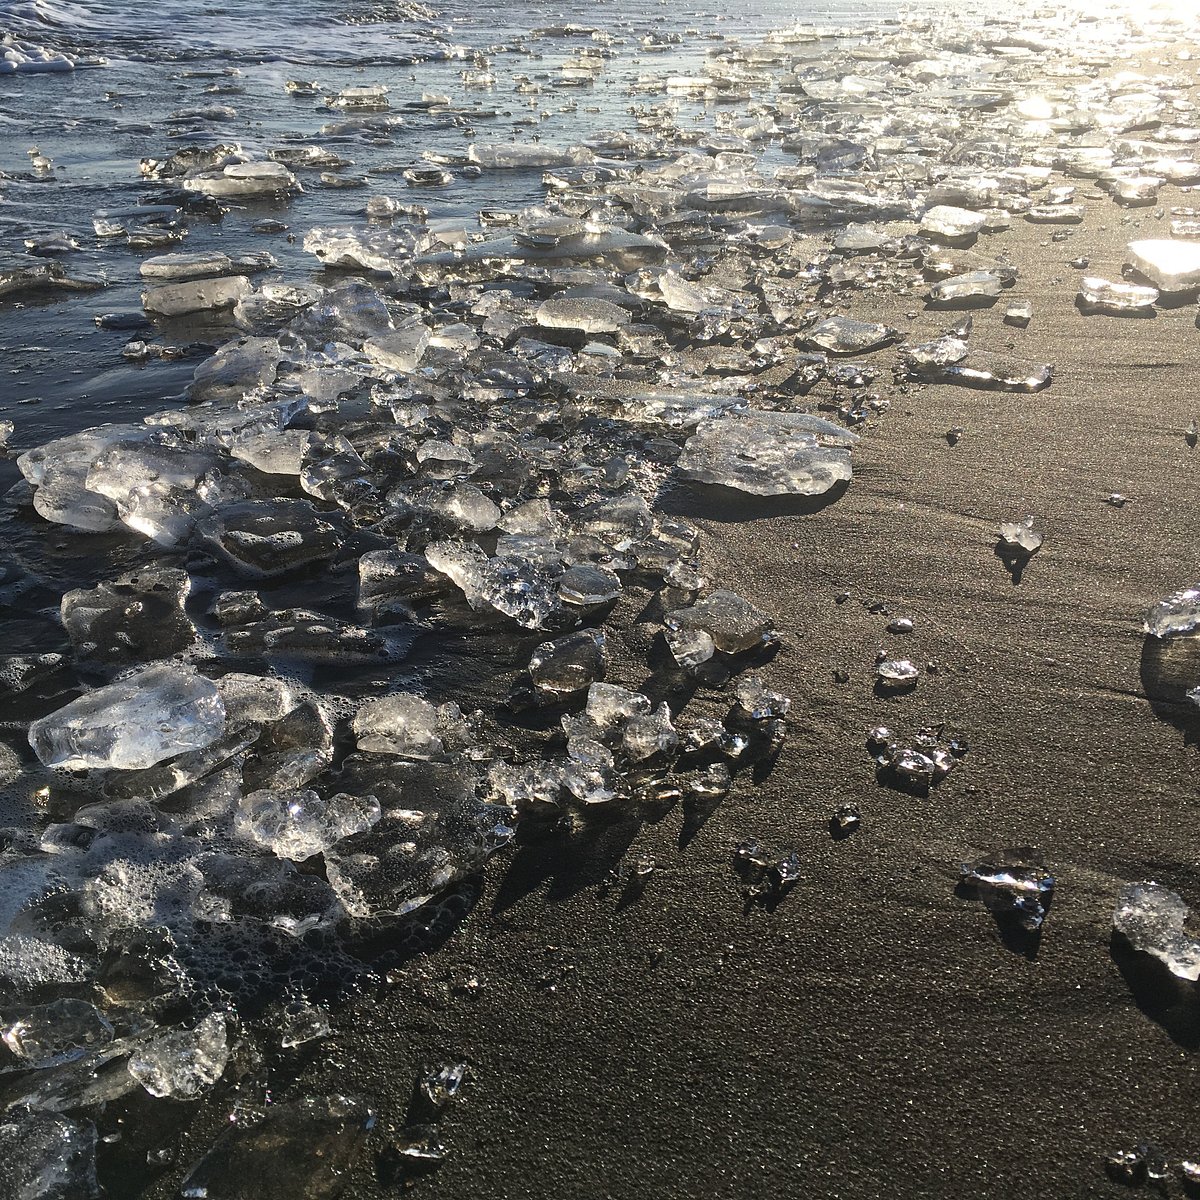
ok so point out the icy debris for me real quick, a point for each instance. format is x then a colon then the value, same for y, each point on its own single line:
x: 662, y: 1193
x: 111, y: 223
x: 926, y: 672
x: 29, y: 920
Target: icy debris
x: 524, y: 156
x: 930, y: 756
x: 244, y: 180
x: 733, y: 624
x: 1096, y: 293
x: 297, y: 824
x: 266, y: 538
x: 974, y: 285
x: 1020, y: 537
x: 1151, y: 917
x: 585, y: 315
x: 157, y: 712
x: 137, y: 617
x: 1019, y: 313
x: 1144, y: 1163
x: 1171, y: 265
x: 202, y: 264
x: 846, y: 820
x: 845, y: 335
x: 1176, y: 616
x: 299, y: 1149
x: 59, y: 1032
x: 769, y: 454
x: 197, y: 295
x: 569, y: 664
x: 47, y: 1157
x: 758, y: 701
x: 1013, y: 884
x: 303, y: 1023
x: 405, y: 725
x: 952, y: 224
x: 182, y: 1063
x: 766, y: 876
x: 440, y: 1086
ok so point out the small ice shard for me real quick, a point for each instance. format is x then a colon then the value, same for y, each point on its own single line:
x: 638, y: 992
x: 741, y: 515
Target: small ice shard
x: 422, y: 1143
x: 733, y: 624
x: 439, y: 1086
x: 303, y: 1023
x: 297, y: 824
x: 845, y: 335
x: 1020, y: 537
x: 300, y: 1150
x: 1144, y: 1163
x: 1169, y: 264
x: 47, y: 1157
x: 58, y: 1032
x: 1013, y: 884
x: 182, y: 1063
x: 1019, y: 313
x: 400, y: 350
x: 929, y: 358
x: 900, y: 625
x: 648, y: 734
x: 690, y: 648
x: 569, y: 664
x: 1178, y: 615
x: 1101, y: 294
x: 974, y: 285
x: 769, y: 454
x: 198, y: 295
x: 758, y: 701
x: 160, y: 711
x: 846, y: 820
x: 896, y: 673
x: 1152, y: 917
x: 952, y: 224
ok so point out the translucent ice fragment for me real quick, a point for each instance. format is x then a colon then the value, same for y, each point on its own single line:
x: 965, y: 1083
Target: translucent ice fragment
x: 1152, y: 919
x: 160, y: 711
x: 1170, y: 264
x: 758, y: 701
x: 584, y: 315
x: 58, y: 1032
x: 198, y: 295
x: 1175, y: 616
x: 297, y: 824
x: 587, y: 584
x: 300, y: 1150
x: 896, y: 673
x: 1115, y: 297
x: 845, y: 335
x: 951, y: 223
x: 769, y: 453
x: 569, y: 664
x: 270, y: 537
x: 182, y: 1063
x: 1014, y: 885
x: 973, y: 285
x: 733, y: 624
x: 47, y: 1157
x: 403, y: 724
x: 1020, y: 536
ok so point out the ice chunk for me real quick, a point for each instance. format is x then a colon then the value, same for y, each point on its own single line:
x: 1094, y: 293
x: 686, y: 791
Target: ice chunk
x: 514, y: 155
x: 974, y: 285
x: 947, y: 222
x: 733, y: 624
x: 1170, y: 264
x: 400, y: 350
x: 182, y: 1063
x: 159, y: 711
x: 585, y: 315
x: 58, y: 1032
x: 204, y: 263
x: 47, y: 1157
x: 896, y: 673
x: 244, y: 180
x: 845, y: 335
x: 992, y: 373
x: 236, y: 368
x: 646, y: 735
x: 265, y: 538
x: 137, y: 617
x: 569, y: 664
x: 297, y: 824
x: 1176, y: 616
x: 198, y: 295
x: 769, y: 453
x: 299, y: 1150
x: 1020, y: 536
x: 1013, y: 884
x: 403, y: 724
x: 587, y: 584
x: 1019, y: 312
x: 1152, y: 918
x: 1115, y: 297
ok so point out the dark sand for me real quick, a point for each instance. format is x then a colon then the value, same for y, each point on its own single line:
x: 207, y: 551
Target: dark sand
x: 873, y: 1035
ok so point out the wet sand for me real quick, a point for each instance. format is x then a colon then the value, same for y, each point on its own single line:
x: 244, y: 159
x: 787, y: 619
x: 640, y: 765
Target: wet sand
x: 872, y: 1035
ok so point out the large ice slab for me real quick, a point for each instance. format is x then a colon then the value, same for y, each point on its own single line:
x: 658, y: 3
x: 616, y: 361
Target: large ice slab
x: 1171, y: 265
